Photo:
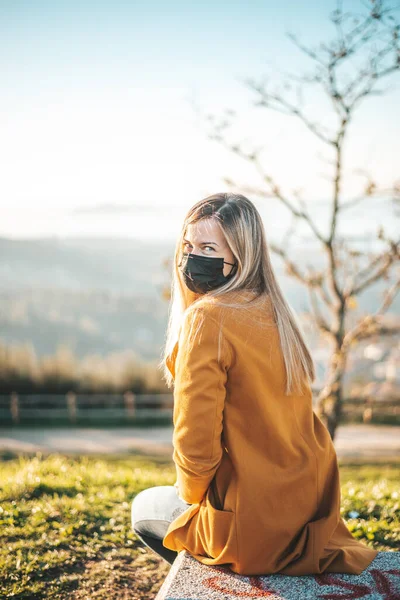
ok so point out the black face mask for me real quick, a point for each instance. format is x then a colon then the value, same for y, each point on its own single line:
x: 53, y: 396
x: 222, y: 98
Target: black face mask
x: 204, y: 273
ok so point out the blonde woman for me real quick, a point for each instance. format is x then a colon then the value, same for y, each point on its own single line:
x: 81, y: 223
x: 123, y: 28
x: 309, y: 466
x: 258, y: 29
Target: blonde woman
x: 257, y: 486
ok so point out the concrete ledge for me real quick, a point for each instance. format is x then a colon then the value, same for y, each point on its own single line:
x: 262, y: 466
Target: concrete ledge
x: 188, y: 579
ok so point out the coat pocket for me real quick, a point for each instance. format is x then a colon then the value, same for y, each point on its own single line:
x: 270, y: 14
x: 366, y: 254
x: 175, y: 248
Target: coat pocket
x: 217, y: 530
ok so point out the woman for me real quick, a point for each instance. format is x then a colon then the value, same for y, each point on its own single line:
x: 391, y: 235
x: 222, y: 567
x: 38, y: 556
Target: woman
x: 257, y: 485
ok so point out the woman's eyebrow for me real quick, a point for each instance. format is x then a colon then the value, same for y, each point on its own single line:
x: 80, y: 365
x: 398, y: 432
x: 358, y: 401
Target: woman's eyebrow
x: 202, y: 243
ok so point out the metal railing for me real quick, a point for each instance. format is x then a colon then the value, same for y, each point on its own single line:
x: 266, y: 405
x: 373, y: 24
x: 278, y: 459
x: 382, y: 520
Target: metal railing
x: 144, y: 409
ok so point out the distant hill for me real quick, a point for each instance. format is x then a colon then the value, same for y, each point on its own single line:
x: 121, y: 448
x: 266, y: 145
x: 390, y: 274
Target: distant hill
x: 96, y: 295
x: 112, y: 264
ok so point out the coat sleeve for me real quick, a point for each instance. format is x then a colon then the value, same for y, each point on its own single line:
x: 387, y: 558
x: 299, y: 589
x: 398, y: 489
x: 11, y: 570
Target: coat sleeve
x: 201, y: 372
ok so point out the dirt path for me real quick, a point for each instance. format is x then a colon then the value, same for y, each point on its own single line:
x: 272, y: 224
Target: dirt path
x: 352, y: 441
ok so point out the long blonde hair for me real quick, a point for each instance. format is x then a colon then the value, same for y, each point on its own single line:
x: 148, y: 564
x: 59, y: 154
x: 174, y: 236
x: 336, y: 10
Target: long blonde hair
x: 244, y: 232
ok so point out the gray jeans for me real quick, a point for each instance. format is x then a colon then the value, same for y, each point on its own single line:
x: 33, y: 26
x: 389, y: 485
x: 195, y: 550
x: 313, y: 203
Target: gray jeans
x: 153, y: 510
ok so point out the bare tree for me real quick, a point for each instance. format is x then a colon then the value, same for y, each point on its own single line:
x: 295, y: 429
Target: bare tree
x: 348, y: 271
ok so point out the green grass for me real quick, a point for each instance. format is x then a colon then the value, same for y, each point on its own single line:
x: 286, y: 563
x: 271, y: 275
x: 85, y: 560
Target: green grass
x: 66, y: 533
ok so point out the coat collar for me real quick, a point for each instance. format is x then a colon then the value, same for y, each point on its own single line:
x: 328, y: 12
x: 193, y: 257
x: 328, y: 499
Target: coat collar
x: 170, y: 359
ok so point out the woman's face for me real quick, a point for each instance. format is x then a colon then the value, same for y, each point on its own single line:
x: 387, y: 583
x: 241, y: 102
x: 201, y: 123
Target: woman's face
x: 206, y: 239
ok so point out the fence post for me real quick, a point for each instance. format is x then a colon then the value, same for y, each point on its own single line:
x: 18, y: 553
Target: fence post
x: 71, y: 405
x: 367, y: 414
x: 129, y: 399
x: 14, y: 407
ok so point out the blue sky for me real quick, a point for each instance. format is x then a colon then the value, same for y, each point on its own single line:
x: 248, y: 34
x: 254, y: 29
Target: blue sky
x: 99, y: 134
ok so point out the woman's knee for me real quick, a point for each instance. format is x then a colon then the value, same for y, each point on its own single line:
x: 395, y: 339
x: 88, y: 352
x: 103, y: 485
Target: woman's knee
x: 149, y: 504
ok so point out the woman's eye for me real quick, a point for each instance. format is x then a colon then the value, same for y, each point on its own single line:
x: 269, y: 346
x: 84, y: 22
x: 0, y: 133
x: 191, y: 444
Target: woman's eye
x: 187, y: 244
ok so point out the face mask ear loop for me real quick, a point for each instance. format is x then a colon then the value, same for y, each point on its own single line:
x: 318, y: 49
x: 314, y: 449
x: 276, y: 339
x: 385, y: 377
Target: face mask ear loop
x: 233, y: 268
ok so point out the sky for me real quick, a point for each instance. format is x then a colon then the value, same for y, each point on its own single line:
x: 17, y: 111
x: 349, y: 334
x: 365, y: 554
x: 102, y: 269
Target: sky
x: 103, y: 111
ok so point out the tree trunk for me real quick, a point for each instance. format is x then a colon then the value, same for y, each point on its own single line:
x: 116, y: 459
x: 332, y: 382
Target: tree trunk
x: 330, y: 399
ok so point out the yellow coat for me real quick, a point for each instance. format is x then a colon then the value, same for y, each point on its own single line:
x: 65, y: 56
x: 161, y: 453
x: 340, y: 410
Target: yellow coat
x: 259, y: 468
